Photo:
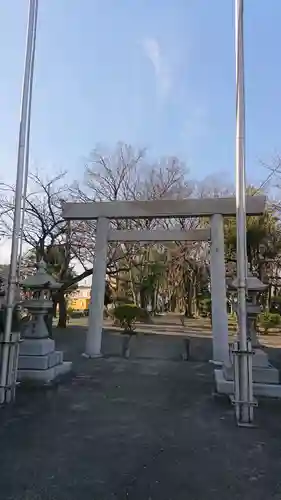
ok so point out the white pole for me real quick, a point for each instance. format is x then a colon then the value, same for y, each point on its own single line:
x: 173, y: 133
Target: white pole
x: 26, y: 162
x: 245, y: 411
x: 18, y: 199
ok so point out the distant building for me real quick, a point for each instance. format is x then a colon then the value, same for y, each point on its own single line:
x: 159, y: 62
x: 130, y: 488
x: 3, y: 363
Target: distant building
x: 79, y: 299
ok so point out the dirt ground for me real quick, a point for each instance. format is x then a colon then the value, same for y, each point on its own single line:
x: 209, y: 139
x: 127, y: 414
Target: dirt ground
x: 140, y: 429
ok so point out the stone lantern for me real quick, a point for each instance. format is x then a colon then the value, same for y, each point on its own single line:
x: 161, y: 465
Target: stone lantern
x: 39, y: 288
x: 38, y: 359
x: 265, y: 376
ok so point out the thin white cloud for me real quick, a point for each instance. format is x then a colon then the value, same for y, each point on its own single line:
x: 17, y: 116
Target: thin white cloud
x: 160, y: 65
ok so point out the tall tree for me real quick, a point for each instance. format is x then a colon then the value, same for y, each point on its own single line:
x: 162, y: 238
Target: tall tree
x: 45, y: 234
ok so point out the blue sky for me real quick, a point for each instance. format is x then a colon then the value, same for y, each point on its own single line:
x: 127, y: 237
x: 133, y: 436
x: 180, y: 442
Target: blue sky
x: 156, y: 73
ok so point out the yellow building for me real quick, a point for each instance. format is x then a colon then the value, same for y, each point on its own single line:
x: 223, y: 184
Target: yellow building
x: 79, y: 300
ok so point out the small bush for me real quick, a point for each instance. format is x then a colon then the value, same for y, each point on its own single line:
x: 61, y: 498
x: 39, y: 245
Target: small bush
x: 126, y: 315
x: 269, y: 320
x: 205, y: 306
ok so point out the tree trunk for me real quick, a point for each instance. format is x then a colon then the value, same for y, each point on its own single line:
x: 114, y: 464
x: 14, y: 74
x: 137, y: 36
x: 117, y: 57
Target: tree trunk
x: 62, y: 310
x: 269, y: 297
x: 189, y: 299
x: 173, y: 303
x: 131, y: 286
x: 142, y: 301
x: 156, y: 298
x: 189, y: 306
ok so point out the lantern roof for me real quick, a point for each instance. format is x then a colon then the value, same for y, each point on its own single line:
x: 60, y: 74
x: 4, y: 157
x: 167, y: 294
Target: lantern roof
x: 254, y: 284
x: 41, y: 279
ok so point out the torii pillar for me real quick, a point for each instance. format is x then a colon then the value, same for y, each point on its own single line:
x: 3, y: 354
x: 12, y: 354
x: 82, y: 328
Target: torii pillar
x: 94, y: 333
x: 218, y: 292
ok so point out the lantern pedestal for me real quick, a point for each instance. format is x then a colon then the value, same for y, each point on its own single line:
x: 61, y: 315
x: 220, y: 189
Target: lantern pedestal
x: 265, y: 376
x: 225, y: 386
x: 39, y: 362
x: 263, y: 371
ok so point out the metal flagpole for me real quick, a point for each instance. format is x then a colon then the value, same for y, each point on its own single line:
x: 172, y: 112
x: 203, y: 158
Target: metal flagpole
x: 26, y: 161
x: 17, y: 209
x: 243, y: 378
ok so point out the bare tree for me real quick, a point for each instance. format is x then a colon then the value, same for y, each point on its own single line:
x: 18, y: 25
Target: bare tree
x: 126, y: 173
x: 45, y: 233
x: 43, y: 225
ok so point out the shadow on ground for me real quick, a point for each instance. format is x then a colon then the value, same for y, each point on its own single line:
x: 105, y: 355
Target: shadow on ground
x: 140, y: 429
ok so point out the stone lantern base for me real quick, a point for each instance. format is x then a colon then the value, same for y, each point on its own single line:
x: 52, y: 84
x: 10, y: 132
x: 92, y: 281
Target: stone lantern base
x: 39, y: 362
x: 265, y: 377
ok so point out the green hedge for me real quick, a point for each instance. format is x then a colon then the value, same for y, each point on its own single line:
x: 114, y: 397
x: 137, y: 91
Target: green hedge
x: 269, y: 320
x: 127, y: 315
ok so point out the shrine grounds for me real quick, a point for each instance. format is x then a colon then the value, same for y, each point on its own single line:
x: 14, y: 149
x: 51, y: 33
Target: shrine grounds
x: 145, y: 428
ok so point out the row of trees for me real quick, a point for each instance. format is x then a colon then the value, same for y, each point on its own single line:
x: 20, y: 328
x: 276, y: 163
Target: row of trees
x: 176, y: 275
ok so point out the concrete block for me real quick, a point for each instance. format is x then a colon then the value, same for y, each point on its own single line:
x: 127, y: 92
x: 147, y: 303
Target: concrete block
x: 157, y: 347
x: 39, y: 376
x: 224, y: 386
x: 36, y: 347
x: 39, y: 362
x: 59, y: 357
x: 146, y: 346
x: 34, y: 362
x: 267, y: 375
x: 44, y: 376
x: 260, y: 358
x: 63, y: 368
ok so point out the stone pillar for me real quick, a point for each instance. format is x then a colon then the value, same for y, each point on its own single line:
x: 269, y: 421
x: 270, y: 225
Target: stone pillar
x: 94, y: 334
x: 218, y: 290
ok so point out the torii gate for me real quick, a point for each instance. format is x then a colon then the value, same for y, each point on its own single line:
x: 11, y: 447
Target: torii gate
x: 214, y: 208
